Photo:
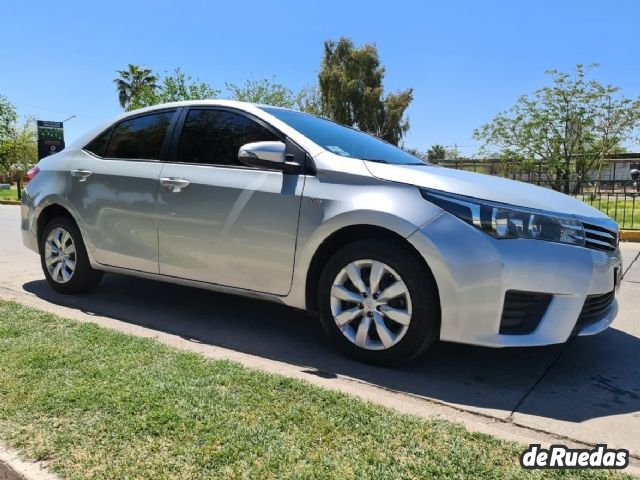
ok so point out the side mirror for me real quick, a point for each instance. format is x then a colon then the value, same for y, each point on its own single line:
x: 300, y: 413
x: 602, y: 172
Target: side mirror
x: 266, y: 155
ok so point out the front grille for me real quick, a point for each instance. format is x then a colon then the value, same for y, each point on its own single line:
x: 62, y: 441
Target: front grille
x: 523, y: 311
x: 595, y: 308
x: 600, y: 238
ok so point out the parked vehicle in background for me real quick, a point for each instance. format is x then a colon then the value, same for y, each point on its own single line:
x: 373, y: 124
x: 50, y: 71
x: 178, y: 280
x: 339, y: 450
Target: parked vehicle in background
x: 391, y: 252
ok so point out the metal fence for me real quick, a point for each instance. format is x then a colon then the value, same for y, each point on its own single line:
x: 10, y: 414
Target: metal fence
x: 616, y: 196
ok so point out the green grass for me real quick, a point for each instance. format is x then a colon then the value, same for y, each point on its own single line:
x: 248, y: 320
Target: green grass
x: 11, y: 194
x: 98, y: 404
x: 623, y: 210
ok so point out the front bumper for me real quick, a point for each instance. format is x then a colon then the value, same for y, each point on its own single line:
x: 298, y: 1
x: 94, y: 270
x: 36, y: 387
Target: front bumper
x: 474, y: 271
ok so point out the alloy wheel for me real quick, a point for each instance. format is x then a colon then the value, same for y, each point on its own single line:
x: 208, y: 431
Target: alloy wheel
x: 370, y: 304
x: 60, y: 255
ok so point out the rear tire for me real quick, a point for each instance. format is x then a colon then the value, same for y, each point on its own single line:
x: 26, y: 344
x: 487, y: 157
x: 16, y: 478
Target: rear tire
x: 64, y: 259
x: 380, y: 325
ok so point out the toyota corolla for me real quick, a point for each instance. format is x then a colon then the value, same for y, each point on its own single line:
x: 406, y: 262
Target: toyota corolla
x: 392, y: 253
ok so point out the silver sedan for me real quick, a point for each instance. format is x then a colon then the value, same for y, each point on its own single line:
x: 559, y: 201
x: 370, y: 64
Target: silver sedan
x: 391, y: 252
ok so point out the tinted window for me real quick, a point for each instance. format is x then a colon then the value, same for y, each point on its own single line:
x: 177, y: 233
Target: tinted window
x: 98, y: 144
x: 140, y: 137
x: 215, y: 136
x: 342, y: 140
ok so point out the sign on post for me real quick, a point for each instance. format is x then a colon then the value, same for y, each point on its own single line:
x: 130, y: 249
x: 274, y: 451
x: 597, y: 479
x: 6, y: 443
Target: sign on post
x: 50, y: 138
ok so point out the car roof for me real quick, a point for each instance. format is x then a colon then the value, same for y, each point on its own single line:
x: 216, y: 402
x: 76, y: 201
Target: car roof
x: 200, y: 103
x: 252, y: 108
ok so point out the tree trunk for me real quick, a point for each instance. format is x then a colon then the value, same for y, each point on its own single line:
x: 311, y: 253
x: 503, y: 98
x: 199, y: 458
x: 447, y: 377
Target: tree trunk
x: 19, y: 188
x: 566, y: 176
x: 578, y: 187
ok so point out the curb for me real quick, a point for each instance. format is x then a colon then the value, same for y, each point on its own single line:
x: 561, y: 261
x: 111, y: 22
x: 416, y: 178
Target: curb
x: 630, y: 235
x: 13, y: 468
x: 8, y: 473
x: 9, y: 202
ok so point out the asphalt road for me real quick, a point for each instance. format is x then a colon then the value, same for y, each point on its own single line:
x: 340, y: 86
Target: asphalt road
x: 587, y: 390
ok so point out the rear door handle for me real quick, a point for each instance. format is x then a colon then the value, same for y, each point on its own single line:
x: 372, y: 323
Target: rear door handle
x: 173, y: 184
x: 81, y: 175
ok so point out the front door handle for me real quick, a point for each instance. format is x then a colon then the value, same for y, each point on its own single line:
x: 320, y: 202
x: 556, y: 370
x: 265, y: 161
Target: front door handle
x: 174, y: 185
x: 81, y: 175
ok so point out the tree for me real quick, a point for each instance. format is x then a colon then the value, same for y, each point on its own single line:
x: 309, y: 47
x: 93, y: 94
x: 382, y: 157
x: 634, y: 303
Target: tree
x: 132, y: 82
x: 569, y: 127
x: 415, y: 152
x: 18, y: 150
x: 270, y: 92
x: 453, y: 153
x: 265, y: 91
x: 8, y: 117
x: 351, y: 91
x: 308, y: 100
x: 436, y: 153
x: 173, y: 87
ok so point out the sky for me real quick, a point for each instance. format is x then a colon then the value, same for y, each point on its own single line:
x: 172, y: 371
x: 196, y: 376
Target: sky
x: 465, y: 60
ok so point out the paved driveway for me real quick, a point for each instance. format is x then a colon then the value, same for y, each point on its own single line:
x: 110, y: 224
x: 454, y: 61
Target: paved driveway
x: 588, y: 389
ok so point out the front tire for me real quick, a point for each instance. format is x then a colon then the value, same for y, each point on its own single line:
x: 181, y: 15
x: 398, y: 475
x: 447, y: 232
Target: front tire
x: 378, y: 302
x: 64, y: 259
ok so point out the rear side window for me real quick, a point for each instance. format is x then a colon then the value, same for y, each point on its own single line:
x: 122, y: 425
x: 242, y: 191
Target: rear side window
x: 98, y: 145
x: 139, y: 137
x: 214, y: 136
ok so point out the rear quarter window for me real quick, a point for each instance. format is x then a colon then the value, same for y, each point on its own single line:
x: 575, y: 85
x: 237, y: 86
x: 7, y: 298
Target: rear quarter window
x: 139, y: 137
x: 98, y: 145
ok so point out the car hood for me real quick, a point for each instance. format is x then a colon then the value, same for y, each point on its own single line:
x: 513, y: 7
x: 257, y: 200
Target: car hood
x: 482, y: 186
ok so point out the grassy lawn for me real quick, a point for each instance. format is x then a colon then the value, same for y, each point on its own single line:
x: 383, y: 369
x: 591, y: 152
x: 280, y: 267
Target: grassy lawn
x: 624, y: 211
x: 11, y: 194
x: 98, y: 404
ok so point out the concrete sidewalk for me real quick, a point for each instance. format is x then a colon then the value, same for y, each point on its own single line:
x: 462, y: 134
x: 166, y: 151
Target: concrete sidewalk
x: 585, y: 392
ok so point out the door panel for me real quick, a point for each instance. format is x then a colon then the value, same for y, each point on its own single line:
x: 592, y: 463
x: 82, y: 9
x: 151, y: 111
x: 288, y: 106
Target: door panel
x: 116, y: 204
x: 230, y: 226
x: 114, y: 190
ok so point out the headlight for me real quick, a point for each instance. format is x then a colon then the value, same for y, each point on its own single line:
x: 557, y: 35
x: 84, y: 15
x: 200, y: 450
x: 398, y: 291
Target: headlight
x: 505, y: 221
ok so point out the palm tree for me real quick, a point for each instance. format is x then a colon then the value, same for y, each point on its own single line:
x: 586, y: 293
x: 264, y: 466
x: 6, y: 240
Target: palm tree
x: 436, y: 152
x: 132, y: 81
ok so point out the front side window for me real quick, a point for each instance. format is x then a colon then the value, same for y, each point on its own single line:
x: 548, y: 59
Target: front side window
x: 214, y: 136
x: 140, y: 137
x: 341, y: 140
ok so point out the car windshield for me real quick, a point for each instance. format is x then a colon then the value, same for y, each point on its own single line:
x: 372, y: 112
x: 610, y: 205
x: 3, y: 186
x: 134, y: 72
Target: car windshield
x: 343, y: 141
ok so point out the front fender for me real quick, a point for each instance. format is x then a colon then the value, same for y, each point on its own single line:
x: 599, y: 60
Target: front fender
x: 332, y: 202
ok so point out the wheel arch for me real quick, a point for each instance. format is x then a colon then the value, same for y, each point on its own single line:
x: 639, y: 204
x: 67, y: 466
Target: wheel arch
x: 50, y: 212
x: 344, y: 236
